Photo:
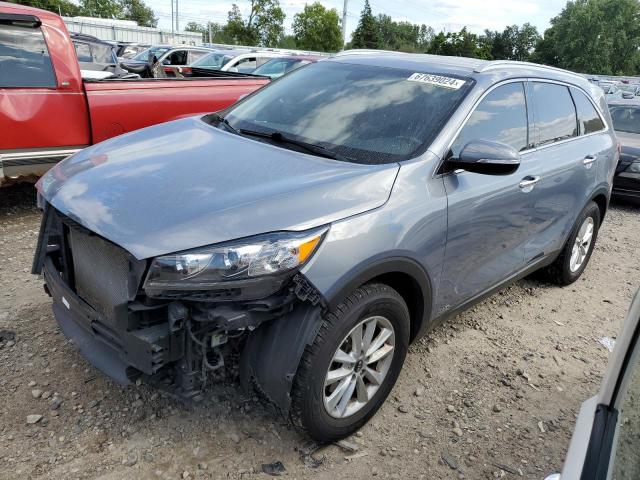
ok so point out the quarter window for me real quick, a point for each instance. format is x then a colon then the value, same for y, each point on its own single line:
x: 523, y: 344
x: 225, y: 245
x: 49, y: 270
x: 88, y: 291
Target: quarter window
x: 25, y: 58
x: 555, y: 113
x: 500, y: 117
x: 588, y: 118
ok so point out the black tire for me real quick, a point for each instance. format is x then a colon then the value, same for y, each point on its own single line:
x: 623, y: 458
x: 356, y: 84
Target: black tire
x: 559, y: 272
x: 308, y: 412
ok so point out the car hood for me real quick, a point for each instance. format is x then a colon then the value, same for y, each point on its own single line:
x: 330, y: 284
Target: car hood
x: 629, y: 139
x: 185, y: 184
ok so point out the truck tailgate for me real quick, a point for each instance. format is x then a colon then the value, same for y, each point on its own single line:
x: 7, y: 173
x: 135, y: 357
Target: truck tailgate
x: 119, y: 106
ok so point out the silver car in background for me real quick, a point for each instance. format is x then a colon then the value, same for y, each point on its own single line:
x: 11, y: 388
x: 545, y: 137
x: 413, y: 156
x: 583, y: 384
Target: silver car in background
x: 321, y: 224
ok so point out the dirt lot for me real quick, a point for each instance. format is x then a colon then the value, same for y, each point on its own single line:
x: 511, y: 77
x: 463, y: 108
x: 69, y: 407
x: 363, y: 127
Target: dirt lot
x: 492, y: 393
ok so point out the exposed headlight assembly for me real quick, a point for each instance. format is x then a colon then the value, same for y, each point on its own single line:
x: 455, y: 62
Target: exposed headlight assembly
x: 216, y: 266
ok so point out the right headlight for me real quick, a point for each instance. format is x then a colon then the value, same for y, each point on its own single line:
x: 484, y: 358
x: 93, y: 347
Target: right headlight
x: 211, y: 267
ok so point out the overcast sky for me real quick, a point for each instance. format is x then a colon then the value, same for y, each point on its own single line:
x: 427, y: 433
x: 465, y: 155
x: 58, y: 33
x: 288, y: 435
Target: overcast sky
x: 440, y: 14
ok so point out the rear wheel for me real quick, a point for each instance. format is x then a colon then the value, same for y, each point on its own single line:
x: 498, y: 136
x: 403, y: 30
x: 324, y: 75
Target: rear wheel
x: 346, y: 374
x: 576, y: 253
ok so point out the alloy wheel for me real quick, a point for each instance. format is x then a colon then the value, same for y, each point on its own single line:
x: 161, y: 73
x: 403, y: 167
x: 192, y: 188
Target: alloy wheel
x: 359, y: 366
x: 582, y: 244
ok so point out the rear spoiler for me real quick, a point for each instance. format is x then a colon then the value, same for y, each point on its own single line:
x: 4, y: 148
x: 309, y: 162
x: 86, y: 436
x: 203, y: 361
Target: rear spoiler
x: 29, y: 21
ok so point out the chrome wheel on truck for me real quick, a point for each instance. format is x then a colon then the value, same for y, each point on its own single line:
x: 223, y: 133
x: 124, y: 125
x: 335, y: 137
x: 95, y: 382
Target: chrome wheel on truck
x: 359, y: 366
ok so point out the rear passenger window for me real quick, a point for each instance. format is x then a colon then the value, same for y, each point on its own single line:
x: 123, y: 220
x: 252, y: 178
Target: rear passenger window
x: 555, y: 113
x: 588, y: 118
x: 24, y: 58
x: 83, y: 52
x: 500, y: 117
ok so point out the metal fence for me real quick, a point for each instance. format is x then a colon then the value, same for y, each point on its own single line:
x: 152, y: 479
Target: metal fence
x: 128, y: 32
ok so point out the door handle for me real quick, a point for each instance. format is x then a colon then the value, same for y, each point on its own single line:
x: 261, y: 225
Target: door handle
x: 528, y: 183
x: 588, y: 160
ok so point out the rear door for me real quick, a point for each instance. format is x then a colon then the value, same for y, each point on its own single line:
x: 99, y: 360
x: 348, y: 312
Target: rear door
x: 43, y: 115
x: 569, y: 145
x: 489, y: 216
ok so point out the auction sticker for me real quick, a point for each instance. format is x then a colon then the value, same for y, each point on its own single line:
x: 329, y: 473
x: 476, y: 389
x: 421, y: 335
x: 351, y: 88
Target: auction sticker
x: 438, y: 80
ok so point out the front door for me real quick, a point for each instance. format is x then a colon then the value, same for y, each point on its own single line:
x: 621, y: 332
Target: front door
x: 488, y: 216
x: 43, y: 116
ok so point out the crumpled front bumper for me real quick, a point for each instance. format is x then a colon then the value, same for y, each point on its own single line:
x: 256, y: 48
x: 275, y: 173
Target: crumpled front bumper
x: 79, y: 322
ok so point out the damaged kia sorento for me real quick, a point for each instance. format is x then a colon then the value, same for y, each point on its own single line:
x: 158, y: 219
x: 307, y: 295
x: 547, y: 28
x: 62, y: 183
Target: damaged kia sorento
x: 310, y: 232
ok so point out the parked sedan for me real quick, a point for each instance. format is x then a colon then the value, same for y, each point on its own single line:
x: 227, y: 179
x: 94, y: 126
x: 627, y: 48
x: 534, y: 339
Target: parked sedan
x: 144, y: 61
x: 277, y: 67
x: 611, y: 91
x: 606, y: 439
x: 626, y: 122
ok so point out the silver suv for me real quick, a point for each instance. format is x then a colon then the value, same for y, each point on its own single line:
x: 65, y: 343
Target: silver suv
x: 317, y: 227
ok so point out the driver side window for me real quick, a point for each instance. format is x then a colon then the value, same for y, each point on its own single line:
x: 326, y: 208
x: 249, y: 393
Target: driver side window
x: 500, y: 117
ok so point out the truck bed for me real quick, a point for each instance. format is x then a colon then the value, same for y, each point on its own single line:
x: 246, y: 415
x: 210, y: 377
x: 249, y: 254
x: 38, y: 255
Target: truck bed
x: 121, y: 105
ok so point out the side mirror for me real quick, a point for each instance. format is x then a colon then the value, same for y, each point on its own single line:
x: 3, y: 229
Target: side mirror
x: 488, y: 158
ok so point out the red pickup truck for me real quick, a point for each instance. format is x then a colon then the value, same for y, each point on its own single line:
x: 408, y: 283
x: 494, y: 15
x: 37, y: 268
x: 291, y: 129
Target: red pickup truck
x: 48, y: 112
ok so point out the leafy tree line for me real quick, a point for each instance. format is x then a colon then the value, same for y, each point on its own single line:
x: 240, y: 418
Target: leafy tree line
x: 315, y: 28
x: 135, y: 10
x: 589, y: 36
x: 381, y: 32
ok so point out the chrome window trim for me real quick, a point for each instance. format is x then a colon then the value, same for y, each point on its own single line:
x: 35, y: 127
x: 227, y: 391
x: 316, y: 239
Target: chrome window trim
x: 529, y: 150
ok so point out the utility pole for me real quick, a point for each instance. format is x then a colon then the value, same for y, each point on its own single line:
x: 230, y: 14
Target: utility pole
x: 344, y: 22
x: 210, y: 32
x: 172, y: 24
x: 177, y: 20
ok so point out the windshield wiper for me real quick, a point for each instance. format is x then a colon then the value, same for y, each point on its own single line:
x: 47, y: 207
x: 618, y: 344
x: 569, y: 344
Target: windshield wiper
x: 223, y: 121
x: 279, y: 137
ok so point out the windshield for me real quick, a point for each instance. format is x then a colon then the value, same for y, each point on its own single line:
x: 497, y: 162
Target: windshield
x: 279, y: 66
x: 608, y: 89
x: 629, y: 88
x: 212, y: 60
x: 626, y: 118
x: 144, y: 55
x: 368, y: 114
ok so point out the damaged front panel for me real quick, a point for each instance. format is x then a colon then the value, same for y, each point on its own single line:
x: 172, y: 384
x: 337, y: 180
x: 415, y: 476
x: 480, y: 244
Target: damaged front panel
x: 175, y: 339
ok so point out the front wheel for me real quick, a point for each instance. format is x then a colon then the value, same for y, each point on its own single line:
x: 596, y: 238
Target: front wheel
x: 576, y: 253
x: 348, y: 371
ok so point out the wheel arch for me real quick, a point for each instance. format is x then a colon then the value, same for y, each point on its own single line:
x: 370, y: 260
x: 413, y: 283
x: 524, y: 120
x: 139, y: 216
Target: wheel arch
x: 601, y: 198
x: 401, y: 273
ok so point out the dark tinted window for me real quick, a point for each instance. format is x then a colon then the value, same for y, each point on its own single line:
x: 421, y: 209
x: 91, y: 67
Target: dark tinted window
x: 24, y: 58
x: 626, y: 118
x: 500, y: 117
x: 588, y: 117
x: 555, y: 113
x: 368, y: 114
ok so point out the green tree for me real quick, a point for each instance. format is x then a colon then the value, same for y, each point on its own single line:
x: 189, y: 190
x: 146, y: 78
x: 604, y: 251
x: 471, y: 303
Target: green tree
x: 263, y: 27
x: 595, y: 36
x: 137, y: 11
x: 317, y: 28
x: 61, y: 7
x: 287, y: 41
x: 366, y: 34
x: 102, y: 8
x: 513, y: 43
x: 459, y: 44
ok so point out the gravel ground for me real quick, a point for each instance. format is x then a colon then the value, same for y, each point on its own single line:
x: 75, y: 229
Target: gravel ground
x: 492, y: 393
